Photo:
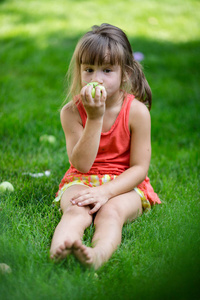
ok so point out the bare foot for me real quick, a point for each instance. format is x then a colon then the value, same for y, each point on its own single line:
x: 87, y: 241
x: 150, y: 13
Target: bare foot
x: 86, y: 255
x: 62, y: 251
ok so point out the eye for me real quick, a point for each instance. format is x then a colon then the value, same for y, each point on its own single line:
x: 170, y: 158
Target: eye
x: 107, y: 70
x: 89, y: 70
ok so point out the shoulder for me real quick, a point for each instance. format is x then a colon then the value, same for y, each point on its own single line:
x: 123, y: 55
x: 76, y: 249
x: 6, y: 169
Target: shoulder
x: 68, y: 109
x: 69, y: 114
x: 139, y: 109
x: 139, y: 114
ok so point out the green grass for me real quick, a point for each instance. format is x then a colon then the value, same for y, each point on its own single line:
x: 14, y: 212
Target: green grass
x: 159, y: 255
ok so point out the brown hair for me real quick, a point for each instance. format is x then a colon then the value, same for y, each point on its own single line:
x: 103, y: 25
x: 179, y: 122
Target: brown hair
x: 109, y: 42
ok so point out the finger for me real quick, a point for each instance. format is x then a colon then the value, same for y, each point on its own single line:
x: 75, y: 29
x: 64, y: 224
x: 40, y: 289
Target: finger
x: 86, y: 94
x: 82, y: 93
x: 81, y: 198
x: 86, y: 202
x: 95, y: 209
x: 80, y: 194
x: 103, y: 94
x: 99, y: 92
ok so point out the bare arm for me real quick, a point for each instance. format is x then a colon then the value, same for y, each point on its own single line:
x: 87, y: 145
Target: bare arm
x: 140, y: 154
x: 83, y: 143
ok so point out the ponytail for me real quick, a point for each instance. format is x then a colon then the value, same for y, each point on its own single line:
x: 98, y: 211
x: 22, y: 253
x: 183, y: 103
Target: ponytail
x: 139, y: 85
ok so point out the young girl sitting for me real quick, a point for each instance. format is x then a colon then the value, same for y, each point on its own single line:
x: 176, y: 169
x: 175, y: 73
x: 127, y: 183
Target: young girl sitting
x: 107, y: 130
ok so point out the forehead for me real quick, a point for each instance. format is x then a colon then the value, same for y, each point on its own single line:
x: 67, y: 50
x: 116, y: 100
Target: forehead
x: 99, y: 52
x: 98, y: 58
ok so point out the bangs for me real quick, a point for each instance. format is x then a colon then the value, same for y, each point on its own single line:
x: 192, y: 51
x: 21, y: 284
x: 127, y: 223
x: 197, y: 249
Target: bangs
x: 99, y: 50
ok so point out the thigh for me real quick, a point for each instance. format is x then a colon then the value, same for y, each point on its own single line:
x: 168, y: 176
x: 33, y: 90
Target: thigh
x: 65, y: 202
x: 128, y: 206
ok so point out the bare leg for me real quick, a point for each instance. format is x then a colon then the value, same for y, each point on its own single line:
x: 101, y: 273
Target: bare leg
x: 71, y: 226
x: 108, y: 224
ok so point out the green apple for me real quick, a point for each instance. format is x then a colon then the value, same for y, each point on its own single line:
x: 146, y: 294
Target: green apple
x: 5, y: 268
x: 48, y: 138
x: 6, y: 186
x: 94, y: 84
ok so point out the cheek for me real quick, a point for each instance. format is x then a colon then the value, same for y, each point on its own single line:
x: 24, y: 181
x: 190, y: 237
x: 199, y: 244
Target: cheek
x: 83, y: 80
x: 85, y: 77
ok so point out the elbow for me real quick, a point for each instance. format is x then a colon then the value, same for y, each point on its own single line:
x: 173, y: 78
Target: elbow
x: 142, y: 173
x: 144, y: 176
x: 82, y: 167
x: 80, y: 164
x: 83, y: 170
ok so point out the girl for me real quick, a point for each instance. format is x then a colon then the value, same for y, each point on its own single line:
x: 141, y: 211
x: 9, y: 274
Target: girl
x: 108, y: 145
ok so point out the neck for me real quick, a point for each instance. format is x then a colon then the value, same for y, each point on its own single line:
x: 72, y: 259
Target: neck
x: 115, y: 100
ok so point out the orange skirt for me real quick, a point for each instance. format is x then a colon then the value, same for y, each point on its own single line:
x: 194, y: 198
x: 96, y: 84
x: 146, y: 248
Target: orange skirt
x: 145, y: 190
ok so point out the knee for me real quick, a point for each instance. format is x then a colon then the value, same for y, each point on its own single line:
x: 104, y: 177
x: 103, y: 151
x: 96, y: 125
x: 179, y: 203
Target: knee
x: 109, y: 212
x: 74, y: 210
x: 79, y: 215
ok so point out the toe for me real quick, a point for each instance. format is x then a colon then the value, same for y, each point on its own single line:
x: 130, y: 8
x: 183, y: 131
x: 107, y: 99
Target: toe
x: 77, y: 245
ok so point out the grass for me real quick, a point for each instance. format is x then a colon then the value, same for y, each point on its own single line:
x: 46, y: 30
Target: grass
x: 159, y: 255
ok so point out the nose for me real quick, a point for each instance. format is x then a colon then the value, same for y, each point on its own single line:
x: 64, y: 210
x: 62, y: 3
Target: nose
x: 97, y: 77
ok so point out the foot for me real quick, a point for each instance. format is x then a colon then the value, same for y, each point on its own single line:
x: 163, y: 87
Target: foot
x: 62, y: 251
x: 86, y: 255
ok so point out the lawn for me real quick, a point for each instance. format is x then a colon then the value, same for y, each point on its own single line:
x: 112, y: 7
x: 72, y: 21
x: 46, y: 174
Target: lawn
x: 159, y: 254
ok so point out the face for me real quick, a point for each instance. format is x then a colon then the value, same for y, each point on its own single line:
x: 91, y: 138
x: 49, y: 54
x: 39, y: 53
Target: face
x: 107, y: 75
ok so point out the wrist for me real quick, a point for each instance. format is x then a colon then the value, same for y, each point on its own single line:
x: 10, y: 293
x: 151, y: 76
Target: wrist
x: 109, y: 189
x: 95, y: 119
x: 94, y: 124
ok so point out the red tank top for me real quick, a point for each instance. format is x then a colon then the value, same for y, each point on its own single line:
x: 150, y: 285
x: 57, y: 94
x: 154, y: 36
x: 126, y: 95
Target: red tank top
x: 113, y: 156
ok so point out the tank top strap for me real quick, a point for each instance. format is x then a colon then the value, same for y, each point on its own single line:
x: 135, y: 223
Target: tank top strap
x: 128, y: 100
x: 81, y: 110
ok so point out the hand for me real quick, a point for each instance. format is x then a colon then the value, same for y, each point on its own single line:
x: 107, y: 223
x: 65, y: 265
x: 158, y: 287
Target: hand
x: 95, y: 107
x: 94, y: 197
